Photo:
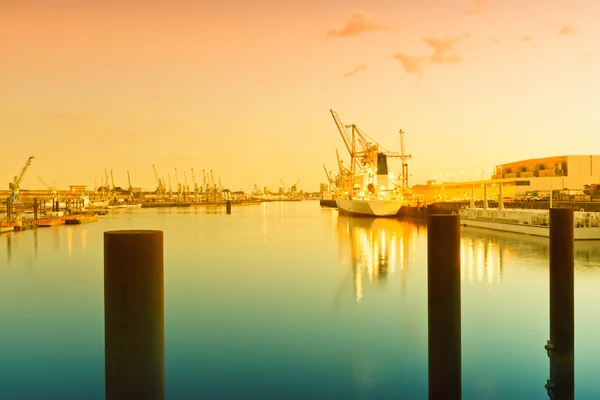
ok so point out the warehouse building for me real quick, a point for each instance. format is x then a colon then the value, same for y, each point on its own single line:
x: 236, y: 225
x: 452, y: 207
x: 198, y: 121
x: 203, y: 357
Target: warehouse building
x: 527, y: 178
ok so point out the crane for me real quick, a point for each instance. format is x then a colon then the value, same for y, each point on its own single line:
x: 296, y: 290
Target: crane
x: 186, y: 188
x: 15, y: 184
x: 285, y: 189
x: 131, y: 197
x: 328, y: 175
x: 177, y: 184
x: 212, y: 180
x: 170, y: 187
x: 404, y: 157
x: 52, y: 188
x: 160, y: 186
x: 196, y: 189
x: 205, y: 183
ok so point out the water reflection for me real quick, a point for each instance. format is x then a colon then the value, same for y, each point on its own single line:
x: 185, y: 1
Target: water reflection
x: 375, y: 248
x: 482, y: 256
x: 8, y: 247
x: 483, y: 252
x: 35, y: 242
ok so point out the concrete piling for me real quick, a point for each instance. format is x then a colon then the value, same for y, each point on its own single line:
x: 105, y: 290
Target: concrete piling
x: 443, y: 306
x: 134, y: 314
x: 561, y: 345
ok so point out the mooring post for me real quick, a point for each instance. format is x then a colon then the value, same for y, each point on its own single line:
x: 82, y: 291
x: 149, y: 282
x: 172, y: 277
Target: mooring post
x: 560, y: 347
x: 134, y: 314
x: 35, y: 208
x: 8, y: 209
x: 443, y: 306
x: 228, y: 206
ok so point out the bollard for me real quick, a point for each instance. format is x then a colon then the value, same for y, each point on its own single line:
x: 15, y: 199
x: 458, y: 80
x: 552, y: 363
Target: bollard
x: 228, y: 207
x: 443, y: 306
x: 561, y: 345
x: 134, y: 314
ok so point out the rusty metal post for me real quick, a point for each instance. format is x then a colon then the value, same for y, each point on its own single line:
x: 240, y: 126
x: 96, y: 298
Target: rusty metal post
x: 228, y: 207
x: 8, y: 209
x: 561, y: 345
x: 443, y: 306
x: 134, y: 314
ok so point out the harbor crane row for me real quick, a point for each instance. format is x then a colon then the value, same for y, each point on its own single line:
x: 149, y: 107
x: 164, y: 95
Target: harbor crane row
x: 15, y: 184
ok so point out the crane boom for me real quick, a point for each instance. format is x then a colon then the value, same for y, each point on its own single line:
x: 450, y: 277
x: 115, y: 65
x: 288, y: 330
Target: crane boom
x: 16, y: 183
x: 196, y: 190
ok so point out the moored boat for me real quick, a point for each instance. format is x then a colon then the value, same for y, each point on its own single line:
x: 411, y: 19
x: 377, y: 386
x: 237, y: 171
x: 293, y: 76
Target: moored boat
x: 52, y: 221
x: 81, y: 218
x: 586, y: 225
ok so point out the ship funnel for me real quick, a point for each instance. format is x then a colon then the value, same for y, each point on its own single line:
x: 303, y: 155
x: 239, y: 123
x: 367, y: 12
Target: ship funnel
x: 382, y: 166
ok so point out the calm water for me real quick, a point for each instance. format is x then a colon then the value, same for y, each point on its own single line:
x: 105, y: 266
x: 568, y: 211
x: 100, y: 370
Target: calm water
x: 288, y: 300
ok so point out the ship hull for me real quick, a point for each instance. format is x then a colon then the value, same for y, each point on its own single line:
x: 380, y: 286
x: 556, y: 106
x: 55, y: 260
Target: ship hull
x: 369, y: 208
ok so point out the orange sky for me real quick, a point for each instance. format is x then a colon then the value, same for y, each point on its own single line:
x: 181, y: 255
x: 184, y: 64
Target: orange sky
x: 244, y: 87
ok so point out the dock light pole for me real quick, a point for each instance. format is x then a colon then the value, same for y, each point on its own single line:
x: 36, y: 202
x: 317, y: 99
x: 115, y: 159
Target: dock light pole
x: 134, y: 315
x: 443, y: 306
x: 560, y: 347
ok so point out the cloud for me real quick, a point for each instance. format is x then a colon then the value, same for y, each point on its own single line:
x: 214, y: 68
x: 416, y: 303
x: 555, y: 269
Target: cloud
x: 412, y: 64
x: 478, y: 8
x: 567, y: 30
x: 362, y: 67
x: 444, y: 50
x: 526, y: 38
x: 359, y: 23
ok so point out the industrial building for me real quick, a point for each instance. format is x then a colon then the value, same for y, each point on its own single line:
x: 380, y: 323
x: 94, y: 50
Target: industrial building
x: 533, y: 177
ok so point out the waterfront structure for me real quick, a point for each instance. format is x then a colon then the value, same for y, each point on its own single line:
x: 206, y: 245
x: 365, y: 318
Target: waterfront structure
x: 533, y: 177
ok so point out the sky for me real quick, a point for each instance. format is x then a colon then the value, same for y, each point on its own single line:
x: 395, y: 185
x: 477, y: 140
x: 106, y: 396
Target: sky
x: 244, y: 88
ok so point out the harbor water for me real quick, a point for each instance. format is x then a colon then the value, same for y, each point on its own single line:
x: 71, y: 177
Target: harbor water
x: 288, y: 300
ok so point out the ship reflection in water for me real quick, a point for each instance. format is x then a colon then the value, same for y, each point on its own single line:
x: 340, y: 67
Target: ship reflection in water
x: 482, y: 256
x: 484, y: 251
x: 376, y: 247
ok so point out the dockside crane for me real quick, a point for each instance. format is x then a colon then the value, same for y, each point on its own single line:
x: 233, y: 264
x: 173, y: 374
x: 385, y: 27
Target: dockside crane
x: 52, y: 189
x: 16, y: 183
x: 131, y: 197
x: 363, y: 149
x: 329, y: 179
x: 204, y: 181
x: 177, y: 184
x: 212, y: 181
x: 160, y: 186
x: 404, y: 157
x: 186, y: 188
x: 285, y: 188
x: 195, y: 183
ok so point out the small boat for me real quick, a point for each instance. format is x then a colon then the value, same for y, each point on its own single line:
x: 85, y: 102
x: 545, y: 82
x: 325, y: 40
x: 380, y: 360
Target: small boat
x: 52, y: 221
x: 80, y: 219
x: 5, y: 227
